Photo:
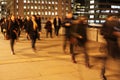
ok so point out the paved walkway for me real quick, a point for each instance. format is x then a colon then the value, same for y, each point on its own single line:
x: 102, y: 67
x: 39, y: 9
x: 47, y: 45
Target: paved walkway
x: 50, y: 63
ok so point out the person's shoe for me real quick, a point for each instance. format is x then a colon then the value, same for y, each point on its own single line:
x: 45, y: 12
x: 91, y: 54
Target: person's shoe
x: 74, y: 61
x: 12, y: 52
x: 88, y: 65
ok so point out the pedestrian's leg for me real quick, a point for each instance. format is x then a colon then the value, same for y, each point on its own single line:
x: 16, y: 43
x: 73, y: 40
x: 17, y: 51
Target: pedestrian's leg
x: 72, y: 52
x: 86, y: 57
x: 103, y: 71
x: 51, y: 34
x: 33, y: 44
x: 12, y: 41
x: 47, y: 33
x: 65, y: 44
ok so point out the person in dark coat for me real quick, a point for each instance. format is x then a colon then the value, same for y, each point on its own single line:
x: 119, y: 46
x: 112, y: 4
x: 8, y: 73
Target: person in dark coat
x: 57, y: 25
x: 38, y: 21
x: 4, y: 27
x: 27, y: 24
x: 12, y: 32
x: 48, y: 27
x: 111, y: 33
x: 66, y: 24
x: 32, y: 31
x: 79, y: 33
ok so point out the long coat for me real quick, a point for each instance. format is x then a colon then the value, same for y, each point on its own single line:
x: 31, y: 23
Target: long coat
x: 30, y: 30
x: 13, y: 29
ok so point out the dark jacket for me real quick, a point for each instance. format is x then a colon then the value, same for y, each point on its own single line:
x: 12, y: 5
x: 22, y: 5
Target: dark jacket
x: 79, y: 29
x: 13, y: 29
x: 30, y: 30
x: 55, y: 22
x: 48, y: 26
x: 67, y: 28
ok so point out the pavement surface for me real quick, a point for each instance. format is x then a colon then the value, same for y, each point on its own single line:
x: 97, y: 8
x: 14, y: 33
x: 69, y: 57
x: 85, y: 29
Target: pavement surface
x: 51, y: 63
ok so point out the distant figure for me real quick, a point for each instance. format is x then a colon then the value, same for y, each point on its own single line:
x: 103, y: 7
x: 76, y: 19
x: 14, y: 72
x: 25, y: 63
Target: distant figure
x: 27, y: 24
x: 48, y: 27
x: 38, y: 21
x: 4, y: 25
x: 57, y: 25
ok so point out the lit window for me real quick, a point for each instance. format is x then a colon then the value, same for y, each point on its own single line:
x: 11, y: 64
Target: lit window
x: 28, y: 1
x: 17, y: 6
x: 46, y: 13
x: 42, y: 13
x: 31, y: 1
x: 38, y: 1
x: 91, y: 21
x: 28, y: 13
x: 35, y: 1
x: 102, y: 21
x: 39, y: 13
x: 17, y: 13
x: 91, y: 6
x: 56, y: 8
x: 91, y: 11
x: 32, y: 12
x: 53, y: 13
x: 52, y: 2
x: 49, y: 7
x: 24, y: 7
x: 56, y: 13
x: 16, y: 1
x: 97, y: 21
x: 42, y: 2
x: 56, y: 2
x: 91, y: 16
x: 24, y: 1
x: 49, y: 13
x: 91, y: 2
x: 35, y: 7
x: 24, y: 13
x: 31, y: 7
x: 67, y: 8
x: 49, y: 2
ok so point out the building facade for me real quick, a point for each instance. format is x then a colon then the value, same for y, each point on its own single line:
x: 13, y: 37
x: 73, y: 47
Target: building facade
x: 96, y: 10
x: 45, y: 8
x: 3, y: 10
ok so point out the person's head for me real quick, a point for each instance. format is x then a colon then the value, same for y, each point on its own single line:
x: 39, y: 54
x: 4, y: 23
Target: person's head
x: 12, y: 17
x: 27, y: 17
x: 69, y: 15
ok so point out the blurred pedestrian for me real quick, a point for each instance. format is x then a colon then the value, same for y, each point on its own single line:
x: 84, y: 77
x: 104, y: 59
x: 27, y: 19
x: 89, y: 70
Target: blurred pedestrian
x: 48, y: 27
x: 27, y: 24
x: 57, y: 25
x: 67, y: 23
x: 111, y: 33
x: 32, y: 31
x: 38, y: 21
x: 12, y: 32
x: 79, y: 36
x: 4, y: 27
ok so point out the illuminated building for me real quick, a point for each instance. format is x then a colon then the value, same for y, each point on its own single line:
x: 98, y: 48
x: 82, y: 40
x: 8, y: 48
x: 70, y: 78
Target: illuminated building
x: 45, y: 8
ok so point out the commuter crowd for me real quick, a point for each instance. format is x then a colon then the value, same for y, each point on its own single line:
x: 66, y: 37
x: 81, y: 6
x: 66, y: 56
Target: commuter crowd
x: 75, y: 33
